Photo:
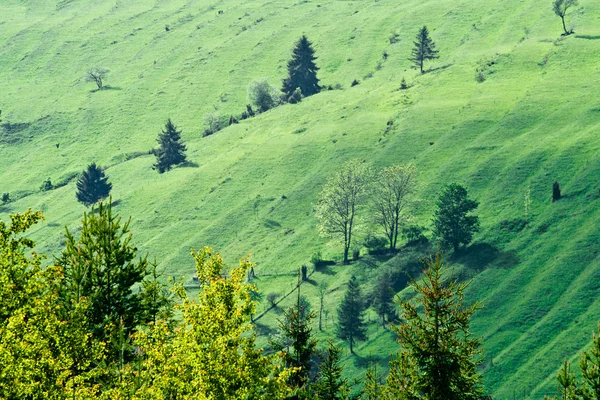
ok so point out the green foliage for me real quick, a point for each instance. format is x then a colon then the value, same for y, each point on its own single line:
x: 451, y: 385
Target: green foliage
x: 302, y: 70
x: 560, y: 8
x: 424, y: 49
x: 97, y: 75
x: 331, y: 385
x: 452, y: 223
x: 212, y: 123
x: 5, y: 198
x: 414, y: 235
x: 373, y: 388
x: 102, y: 266
x: 351, y: 325
x: 296, y: 97
x: 342, y: 197
x: 439, y: 357
x: 47, y: 185
x: 394, y: 187
x: 375, y: 244
x: 92, y: 185
x: 156, y: 299
x: 296, y: 333
x: 262, y: 94
x: 383, y: 298
x: 211, y: 354
x: 171, y: 149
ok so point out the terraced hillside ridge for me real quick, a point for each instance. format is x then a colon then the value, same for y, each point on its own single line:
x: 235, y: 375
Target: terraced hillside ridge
x: 533, y: 119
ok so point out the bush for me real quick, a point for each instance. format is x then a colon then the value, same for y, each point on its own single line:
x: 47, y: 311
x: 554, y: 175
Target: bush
x: 296, y: 97
x: 355, y: 254
x: 272, y: 298
x: 5, y: 197
x: 212, y: 124
x: 375, y: 244
x: 414, y: 235
x: 479, y: 76
x: 403, y: 84
x: 47, y: 185
x: 263, y: 95
x: 354, y: 83
x: 317, y: 260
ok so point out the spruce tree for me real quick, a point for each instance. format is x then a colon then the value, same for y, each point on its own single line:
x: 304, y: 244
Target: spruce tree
x: 330, y: 385
x: 302, y: 71
x: 439, y: 357
x: 351, y: 326
x: 424, y: 49
x: 92, y: 185
x: 102, y: 266
x: 383, y: 298
x: 171, y: 150
x: 297, y: 334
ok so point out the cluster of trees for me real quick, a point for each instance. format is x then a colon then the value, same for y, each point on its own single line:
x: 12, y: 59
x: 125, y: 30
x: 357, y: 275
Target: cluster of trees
x: 388, y: 195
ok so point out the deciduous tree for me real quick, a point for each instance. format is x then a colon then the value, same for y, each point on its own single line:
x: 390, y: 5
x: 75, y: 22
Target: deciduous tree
x: 97, y: 75
x: 560, y: 8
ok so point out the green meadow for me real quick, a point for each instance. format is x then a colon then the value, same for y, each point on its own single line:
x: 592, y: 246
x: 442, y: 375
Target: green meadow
x: 535, y: 119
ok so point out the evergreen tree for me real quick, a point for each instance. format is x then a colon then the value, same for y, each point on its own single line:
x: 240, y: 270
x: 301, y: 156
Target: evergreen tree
x: 373, y: 388
x: 383, y: 298
x: 330, y: 385
x: 171, y: 150
x: 92, y: 185
x: 424, y: 49
x: 302, y: 71
x: 297, y: 333
x: 452, y: 224
x: 102, y: 266
x: 156, y: 301
x: 439, y: 357
x: 351, y: 326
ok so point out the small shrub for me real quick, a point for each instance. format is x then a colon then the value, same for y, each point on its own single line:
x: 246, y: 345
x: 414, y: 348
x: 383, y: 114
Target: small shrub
x: 355, y: 254
x: 375, y: 244
x: 354, y: 83
x: 47, y: 185
x: 368, y: 76
x: 233, y: 120
x: 393, y: 38
x: 212, y: 124
x: 403, y: 84
x: 414, y: 235
x: 317, y: 260
x: 304, y: 270
x: 385, y: 55
x: 480, y: 76
x: 272, y: 298
x: 5, y: 197
x: 296, y: 97
x: 263, y: 95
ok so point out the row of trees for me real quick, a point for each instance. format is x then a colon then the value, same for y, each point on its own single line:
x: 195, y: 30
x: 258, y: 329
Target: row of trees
x: 387, y: 195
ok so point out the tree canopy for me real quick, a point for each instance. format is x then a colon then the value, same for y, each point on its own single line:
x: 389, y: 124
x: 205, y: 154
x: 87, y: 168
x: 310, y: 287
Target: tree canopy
x: 302, y: 70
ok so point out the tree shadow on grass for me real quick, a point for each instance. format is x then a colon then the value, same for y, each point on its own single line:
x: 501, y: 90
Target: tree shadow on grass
x: 443, y: 67
x: 4, y: 209
x: 310, y: 281
x: 588, y: 37
x: 188, y: 164
x: 480, y: 256
x: 365, y: 361
x: 264, y: 330
x: 105, y: 88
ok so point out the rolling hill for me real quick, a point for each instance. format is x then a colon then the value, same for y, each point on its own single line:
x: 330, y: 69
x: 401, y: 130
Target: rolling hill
x: 535, y: 119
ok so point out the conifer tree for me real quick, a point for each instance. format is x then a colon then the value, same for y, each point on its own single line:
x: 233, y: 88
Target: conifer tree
x: 171, y: 150
x: 452, y: 223
x: 330, y: 385
x: 92, y: 185
x: 424, y: 49
x: 297, y: 334
x: 302, y: 71
x: 439, y: 357
x: 102, y: 266
x: 383, y: 296
x: 351, y: 326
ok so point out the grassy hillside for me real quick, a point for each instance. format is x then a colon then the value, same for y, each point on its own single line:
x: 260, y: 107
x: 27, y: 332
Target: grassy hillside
x: 534, y: 120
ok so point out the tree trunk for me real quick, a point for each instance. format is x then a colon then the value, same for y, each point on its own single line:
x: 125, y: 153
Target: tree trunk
x: 564, y: 26
x: 346, y: 249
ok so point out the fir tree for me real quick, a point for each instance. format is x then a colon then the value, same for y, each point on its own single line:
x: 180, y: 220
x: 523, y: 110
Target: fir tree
x: 302, y: 71
x: 383, y: 298
x: 330, y: 385
x: 439, y: 357
x: 102, y: 266
x: 452, y: 223
x: 297, y: 334
x: 424, y: 49
x: 350, y: 314
x: 92, y: 185
x: 171, y: 151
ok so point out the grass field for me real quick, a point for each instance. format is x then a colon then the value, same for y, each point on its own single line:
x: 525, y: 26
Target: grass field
x: 534, y: 120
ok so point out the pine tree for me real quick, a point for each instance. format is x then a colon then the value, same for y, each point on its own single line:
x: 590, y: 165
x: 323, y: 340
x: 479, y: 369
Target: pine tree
x: 102, y: 266
x: 383, y: 296
x: 171, y: 151
x: 424, y: 49
x: 330, y: 385
x: 297, y: 334
x: 351, y: 326
x: 302, y: 71
x: 439, y: 357
x: 452, y: 224
x: 92, y: 185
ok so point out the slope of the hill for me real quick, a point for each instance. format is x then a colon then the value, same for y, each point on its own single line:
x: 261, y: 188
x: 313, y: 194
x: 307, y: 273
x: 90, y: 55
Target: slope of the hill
x: 534, y: 120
